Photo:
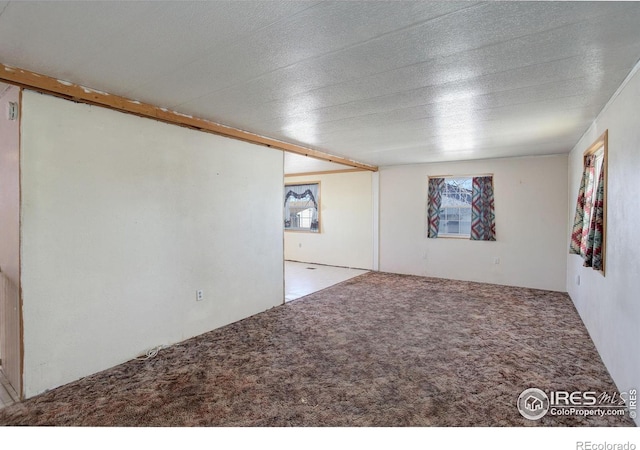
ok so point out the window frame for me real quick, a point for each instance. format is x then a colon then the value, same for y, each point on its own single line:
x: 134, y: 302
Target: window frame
x: 318, y: 200
x: 601, y: 143
x: 455, y: 235
x: 471, y: 177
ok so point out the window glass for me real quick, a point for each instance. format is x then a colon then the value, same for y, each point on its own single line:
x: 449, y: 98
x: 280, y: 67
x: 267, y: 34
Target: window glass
x: 301, y: 207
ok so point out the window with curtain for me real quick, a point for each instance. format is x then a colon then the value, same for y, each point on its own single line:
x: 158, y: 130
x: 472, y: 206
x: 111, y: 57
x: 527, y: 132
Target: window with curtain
x: 589, y: 224
x: 461, y: 207
x: 301, y: 207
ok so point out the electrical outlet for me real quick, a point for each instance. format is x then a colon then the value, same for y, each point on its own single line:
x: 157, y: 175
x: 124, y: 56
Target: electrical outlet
x: 199, y: 295
x: 496, y: 260
x: 578, y: 280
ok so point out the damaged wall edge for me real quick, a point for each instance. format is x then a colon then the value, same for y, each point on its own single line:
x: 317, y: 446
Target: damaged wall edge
x: 74, y: 92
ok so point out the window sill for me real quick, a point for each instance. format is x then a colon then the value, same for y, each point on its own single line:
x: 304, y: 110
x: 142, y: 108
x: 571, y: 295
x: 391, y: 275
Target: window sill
x: 452, y: 236
x: 301, y: 231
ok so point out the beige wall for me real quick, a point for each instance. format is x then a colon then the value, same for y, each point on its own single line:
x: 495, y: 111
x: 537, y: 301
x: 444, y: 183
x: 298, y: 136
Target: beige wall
x: 610, y: 306
x: 530, y: 207
x: 123, y: 219
x: 10, y: 237
x: 346, y: 222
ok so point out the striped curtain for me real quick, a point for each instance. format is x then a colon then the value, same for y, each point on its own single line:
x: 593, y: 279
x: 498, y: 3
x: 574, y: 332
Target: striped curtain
x: 483, y: 217
x: 593, y: 257
x: 436, y: 186
x: 582, y: 219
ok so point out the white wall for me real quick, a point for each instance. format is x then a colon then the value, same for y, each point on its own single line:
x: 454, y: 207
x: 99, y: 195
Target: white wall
x: 10, y: 238
x: 9, y: 185
x: 531, y: 222
x: 123, y: 219
x: 610, y: 306
x: 346, y: 223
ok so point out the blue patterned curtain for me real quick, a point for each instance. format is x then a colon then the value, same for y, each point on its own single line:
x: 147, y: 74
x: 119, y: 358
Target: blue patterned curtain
x: 436, y: 186
x: 483, y: 217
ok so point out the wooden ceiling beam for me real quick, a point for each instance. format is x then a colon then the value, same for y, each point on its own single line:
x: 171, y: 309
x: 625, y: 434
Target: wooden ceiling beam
x: 77, y: 93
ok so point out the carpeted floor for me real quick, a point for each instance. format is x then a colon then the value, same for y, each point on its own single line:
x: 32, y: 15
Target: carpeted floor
x: 377, y: 350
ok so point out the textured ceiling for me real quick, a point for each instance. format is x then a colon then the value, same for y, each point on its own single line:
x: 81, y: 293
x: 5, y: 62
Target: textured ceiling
x: 379, y: 82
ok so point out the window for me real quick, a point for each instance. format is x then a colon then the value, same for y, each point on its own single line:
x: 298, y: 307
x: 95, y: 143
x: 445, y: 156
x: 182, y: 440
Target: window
x: 455, y: 212
x: 302, y: 207
x: 461, y: 207
x: 589, y: 226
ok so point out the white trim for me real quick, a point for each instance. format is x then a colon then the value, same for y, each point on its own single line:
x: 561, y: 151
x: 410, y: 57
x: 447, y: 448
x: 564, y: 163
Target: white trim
x: 472, y: 160
x: 375, y: 199
x: 620, y: 88
x: 475, y: 175
x: 615, y: 95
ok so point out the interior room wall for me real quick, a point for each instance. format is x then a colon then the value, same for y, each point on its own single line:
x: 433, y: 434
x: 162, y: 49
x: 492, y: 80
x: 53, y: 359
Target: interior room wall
x: 9, y: 184
x: 10, y: 237
x: 123, y: 220
x: 609, y: 305
x: 346, y: 223
x: 530, y: 207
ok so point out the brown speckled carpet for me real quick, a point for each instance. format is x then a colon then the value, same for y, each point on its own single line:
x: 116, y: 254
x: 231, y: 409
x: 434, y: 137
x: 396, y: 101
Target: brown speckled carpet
x: 377, y: 350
